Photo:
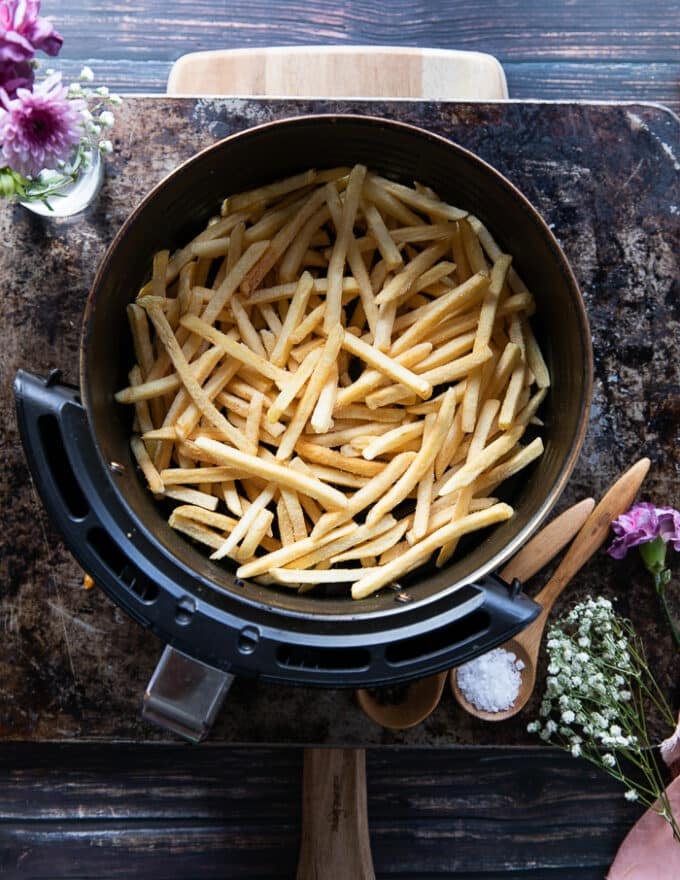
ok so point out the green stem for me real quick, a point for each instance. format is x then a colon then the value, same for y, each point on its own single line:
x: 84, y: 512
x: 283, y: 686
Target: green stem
x: 660, y: 580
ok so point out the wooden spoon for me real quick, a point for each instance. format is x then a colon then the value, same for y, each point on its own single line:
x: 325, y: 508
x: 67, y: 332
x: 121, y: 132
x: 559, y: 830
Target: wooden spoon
x: 526, y: 645
x: 422, y: 697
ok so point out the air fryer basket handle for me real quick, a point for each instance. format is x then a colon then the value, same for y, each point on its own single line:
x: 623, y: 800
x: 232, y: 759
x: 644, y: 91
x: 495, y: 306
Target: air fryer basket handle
x: 56, y: 438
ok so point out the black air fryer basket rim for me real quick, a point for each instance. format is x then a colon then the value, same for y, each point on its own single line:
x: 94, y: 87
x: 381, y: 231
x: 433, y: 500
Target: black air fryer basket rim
x: 375, y: 607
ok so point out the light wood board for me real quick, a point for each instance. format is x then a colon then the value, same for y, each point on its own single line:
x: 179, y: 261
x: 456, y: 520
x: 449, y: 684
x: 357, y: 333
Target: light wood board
x: 341, y: 72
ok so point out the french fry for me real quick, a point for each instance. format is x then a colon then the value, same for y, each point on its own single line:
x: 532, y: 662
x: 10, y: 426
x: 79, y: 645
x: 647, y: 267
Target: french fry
x: 359, y: 535
x: 293, y: 386
x: 393, y: 439
x: 257, y: 534
x: 147, y: 466
x: 375, y: 546
x: 434, y: 433
x: 387, y: 366
x: 402, y: 281
x: 269, y: 470
x: 264, y: 194
x: 356, y: 263
x: 195, y: 391
x: 337, y: 261
x: 511, y: 399
x: 294, y: 316
x: 446, y: 305
x: 235, y: 349
x: 403, y: 563
x: 192, y: 496
x: 421, y: 517
x: 178, y: 476
x: 482, y: 461
x: 384, y: 241
x: 311, y: 393
x: 246, y: 522
x: 420, y: 202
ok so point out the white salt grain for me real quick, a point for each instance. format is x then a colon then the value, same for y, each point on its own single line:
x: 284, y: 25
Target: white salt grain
x: 491, y: 682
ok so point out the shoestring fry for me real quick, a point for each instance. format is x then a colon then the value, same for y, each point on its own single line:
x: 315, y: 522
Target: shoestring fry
x: 332, y: 379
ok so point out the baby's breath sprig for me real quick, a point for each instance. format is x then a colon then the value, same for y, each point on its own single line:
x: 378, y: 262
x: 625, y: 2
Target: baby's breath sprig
x: 597, y: 690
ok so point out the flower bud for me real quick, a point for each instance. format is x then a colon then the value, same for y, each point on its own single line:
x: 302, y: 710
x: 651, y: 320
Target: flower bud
x: 653, y: 555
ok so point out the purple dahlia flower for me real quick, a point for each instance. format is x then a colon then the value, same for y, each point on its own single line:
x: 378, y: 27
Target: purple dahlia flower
x: 39, y: 128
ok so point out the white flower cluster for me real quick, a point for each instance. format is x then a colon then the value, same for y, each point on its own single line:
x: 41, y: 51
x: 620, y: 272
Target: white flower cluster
x: 593, y: 704
x: 590, y: 674
x: 96, y: 118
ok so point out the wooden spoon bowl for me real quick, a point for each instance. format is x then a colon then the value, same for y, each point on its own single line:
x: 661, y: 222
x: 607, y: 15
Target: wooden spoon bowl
x: 420, y: 698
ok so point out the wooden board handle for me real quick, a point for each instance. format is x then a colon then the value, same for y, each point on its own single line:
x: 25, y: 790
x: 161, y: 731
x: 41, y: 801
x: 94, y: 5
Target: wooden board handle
x: 334, y: 842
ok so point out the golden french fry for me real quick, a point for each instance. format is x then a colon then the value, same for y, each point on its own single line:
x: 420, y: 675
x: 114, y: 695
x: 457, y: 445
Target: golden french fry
x: 269, y: 470
x: 403, y: 563
x: 482, y: 461
x: 339, y: 255
x: 386, y: 365
x: 384, y: 241
x: 146, y: 465
x: 296, y: 310
x: 192, y: 496
x: 246, y: 522
x: 311, y: 393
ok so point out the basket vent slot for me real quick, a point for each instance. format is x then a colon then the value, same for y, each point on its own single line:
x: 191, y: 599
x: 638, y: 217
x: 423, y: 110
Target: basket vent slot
x: 120, y: 566
x: 430, y: 644
x: 60, y: 467
x: 314, y: 657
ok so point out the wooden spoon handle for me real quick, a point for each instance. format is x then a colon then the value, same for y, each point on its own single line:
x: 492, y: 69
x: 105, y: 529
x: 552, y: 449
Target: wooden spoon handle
x: 615, y: 502
x: 334, y: 843
x: 548, y: 542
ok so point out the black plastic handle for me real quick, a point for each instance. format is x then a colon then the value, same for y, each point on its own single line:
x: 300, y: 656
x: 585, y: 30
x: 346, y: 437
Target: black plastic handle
x: 154, y: 589
x: 57, y: 442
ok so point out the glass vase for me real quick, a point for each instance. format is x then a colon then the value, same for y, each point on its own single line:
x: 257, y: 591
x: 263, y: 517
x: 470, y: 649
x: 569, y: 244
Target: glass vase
x: 66, y: 196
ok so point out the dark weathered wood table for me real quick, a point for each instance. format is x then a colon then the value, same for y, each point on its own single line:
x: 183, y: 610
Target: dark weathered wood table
x: 87, y: 789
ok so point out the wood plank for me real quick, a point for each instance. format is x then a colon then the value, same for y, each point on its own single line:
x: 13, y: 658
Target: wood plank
x: 595, y: 81
x: 154, y: 29
x: 175, y: 811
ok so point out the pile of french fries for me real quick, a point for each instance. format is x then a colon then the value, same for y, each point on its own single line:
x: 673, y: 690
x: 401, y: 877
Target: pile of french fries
x: 332, y: 379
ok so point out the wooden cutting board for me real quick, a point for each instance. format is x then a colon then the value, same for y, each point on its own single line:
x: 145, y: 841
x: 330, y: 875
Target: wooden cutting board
x: 341, y: 72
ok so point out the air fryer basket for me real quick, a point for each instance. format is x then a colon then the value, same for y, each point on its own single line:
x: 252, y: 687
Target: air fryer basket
x: 437, y: 618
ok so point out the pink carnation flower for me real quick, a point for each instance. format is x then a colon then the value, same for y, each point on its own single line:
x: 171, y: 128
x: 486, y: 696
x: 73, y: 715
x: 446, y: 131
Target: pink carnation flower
x: 643, y: 523
x: 39, y: 128
x: 22, y: 33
